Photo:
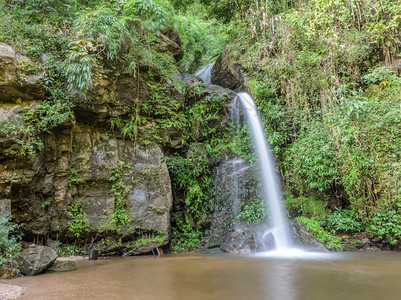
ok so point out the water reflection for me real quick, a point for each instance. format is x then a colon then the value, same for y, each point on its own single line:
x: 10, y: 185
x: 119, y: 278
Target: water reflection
x: 325, y: 276
x: 280, y: 282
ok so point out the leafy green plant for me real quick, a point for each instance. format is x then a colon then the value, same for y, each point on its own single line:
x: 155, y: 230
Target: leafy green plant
x: 307, y: 206
x: 192, y: 176
x: 120, y: 218
x: 79, y: 224
x: 253, y: 213
x: 67, y: 250
x: 73, y: 179
x: 202, y: 39
x: 344, y: 220
x: 9, y: 247
x: 310, y: 161
x: 78, y: 67
x: 184, y: 237
x: 386, y: 224
x: 153, y: 14
x: 46, y: 204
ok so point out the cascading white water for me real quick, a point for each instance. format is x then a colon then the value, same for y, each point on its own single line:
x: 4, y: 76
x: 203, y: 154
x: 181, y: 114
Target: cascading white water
x: 270, y: 182
x: 230, y: 184
x: 206, y: 73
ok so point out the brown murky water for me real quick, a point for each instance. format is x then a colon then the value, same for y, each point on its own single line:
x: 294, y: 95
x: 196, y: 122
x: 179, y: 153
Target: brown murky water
x: 326, y: 276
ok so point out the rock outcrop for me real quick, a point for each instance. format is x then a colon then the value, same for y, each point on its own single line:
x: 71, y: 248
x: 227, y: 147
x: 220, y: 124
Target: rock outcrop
x: 76, y: 164
x: 170, y: 42
x: 75, y: 167
x: 227, y: 74
x: 36, y: 259
x: 20, y: 78
x: 306, y: 238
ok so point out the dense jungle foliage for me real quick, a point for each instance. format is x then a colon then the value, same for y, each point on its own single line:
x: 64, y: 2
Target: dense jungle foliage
x: 324, y: 73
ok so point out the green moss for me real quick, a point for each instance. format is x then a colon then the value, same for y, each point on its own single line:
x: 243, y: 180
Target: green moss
x: 157, y: 210
x: 26, y: 67
x: 120, y: 219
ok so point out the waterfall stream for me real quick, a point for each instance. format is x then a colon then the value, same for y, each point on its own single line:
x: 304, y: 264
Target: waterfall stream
x: 206, y: 73
x: 270, y: 183
x: 269, y: 180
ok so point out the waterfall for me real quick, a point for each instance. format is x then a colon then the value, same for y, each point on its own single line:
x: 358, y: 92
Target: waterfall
x: 206, y: 73
x: 269, y: 180
x: 233, y: 170
x: 230, y: 183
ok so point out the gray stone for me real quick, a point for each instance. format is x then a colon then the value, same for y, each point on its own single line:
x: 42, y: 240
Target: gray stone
x: 373, y: 249
x: 214, y: 241
x: 350, y: 248
x: 62, y: 266
x: 239, y: 240
x: 83, y: 150
x: 227, y: 248
x: 36, y: 259
x: 250, y: 243
x: 5, y: 208
x: 214, y: 251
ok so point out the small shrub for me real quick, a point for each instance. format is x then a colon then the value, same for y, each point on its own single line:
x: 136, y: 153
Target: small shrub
x: 386, y: 224
x: 307, y: 206
x: 344, y: 220
x: 79, y: 223
x: 67, y: 250
x: 184, y: 237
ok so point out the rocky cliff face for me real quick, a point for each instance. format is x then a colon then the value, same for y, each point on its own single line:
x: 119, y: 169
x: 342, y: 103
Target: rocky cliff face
x: 84, y: 166
x: 75, y: 166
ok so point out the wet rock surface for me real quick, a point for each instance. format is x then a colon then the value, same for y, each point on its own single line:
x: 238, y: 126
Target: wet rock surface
x: 61, y: 266
x: 305, y: 238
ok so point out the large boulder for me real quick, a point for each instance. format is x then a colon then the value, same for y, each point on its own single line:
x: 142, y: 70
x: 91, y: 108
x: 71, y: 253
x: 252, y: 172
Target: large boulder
x: 227, y: 74
x: 305, y: 238
x: 20, y: 78
x: 36, y: 259
x: 170, y: 42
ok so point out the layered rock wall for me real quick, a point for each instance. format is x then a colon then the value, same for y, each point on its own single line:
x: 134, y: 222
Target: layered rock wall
x: 75, y: 166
